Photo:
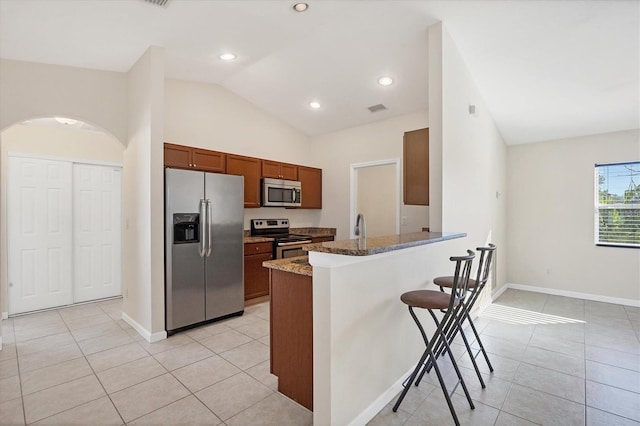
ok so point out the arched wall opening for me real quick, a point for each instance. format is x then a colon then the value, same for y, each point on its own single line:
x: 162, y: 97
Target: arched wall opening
x: 72, y: 139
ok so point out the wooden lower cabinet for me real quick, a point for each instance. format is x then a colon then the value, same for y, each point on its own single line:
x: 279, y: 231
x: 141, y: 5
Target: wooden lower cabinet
x: 291, y: 344
x: 256, y: 277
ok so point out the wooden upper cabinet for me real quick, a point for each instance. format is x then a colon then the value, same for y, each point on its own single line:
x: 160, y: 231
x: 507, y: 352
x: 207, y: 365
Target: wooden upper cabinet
x: 311, y: 179
x: 184, y: 157
x: 177, y: 156
x: 209, y: 161
x: 416, y: 167
x: 249, y: 168
x: 277, y: 170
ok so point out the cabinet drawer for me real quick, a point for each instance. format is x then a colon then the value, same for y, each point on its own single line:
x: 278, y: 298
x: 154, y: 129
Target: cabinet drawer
x: 322, y: 239
x: 256, y: 248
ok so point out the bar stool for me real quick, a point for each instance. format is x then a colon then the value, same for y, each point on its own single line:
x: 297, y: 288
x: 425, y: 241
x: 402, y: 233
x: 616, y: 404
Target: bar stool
x: 430, y: 300
x: 475, y: 288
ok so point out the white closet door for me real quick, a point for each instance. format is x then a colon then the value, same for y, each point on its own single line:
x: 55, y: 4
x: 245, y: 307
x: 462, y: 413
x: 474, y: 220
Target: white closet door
x: 96, y: 232
x: 39, y: 234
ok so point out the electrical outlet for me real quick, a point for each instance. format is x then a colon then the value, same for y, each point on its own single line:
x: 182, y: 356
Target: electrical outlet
x: 405, y: 222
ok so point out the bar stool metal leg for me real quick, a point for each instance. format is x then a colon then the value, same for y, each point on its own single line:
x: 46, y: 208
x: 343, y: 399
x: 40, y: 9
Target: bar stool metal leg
x: 476, y: 287
x: 450, y: 305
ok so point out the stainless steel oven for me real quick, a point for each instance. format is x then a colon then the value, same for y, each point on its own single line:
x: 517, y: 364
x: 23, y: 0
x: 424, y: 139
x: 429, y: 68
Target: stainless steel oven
x: 281, y: 193
x: 284, y: 243
x: 290, y: 248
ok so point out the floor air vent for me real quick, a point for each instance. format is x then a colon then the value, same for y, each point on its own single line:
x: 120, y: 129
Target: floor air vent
x: 376, y: 108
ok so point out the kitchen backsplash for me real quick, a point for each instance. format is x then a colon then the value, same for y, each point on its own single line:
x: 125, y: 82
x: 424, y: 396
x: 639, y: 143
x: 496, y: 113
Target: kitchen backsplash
x: 298, y: 218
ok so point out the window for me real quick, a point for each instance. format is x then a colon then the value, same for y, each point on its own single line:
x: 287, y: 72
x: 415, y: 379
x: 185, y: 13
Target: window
x: 617, y: 212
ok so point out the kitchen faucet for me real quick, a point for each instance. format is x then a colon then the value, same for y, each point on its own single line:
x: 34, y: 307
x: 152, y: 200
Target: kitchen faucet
x: 356, y: 230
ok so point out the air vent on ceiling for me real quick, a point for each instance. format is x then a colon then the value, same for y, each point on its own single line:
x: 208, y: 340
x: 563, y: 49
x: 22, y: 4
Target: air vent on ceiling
x: 376, y: 108
x: 158, y: 2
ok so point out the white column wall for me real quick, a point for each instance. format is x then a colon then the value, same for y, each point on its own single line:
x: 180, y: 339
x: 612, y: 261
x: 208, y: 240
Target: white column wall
x: 143, y: 240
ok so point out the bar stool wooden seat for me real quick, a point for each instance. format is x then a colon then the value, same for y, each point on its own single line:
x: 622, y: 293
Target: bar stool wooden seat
x: 447, y: 303
x: 475, y: 287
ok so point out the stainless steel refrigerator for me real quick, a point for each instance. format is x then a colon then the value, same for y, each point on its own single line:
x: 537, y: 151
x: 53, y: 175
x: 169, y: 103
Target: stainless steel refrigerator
x: 204, y: 247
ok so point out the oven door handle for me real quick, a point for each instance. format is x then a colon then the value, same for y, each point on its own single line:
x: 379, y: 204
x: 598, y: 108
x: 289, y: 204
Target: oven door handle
x: 293, y: 243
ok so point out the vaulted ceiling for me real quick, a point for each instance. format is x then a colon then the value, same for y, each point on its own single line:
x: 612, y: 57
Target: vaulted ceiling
x: 546, y: 69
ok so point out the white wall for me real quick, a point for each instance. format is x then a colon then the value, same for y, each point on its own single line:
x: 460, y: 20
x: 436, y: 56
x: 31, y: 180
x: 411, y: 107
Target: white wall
x: 47, y: 141
x: 473, y: 162
x: 31, y: 90
x: 211, y: 117
x: 551, y: 217
x: 335, y: 152
x: 143, y: 239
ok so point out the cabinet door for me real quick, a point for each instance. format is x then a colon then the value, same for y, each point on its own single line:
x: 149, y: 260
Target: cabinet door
x: 311, y: 179
x: 256, y: 277
x: 271, y: 169
x: 250, y: 169
x: 416, y: 167
x: 289, y: 171
x: 276, y: 170
x: 208, y: 161
x: 177, y: 156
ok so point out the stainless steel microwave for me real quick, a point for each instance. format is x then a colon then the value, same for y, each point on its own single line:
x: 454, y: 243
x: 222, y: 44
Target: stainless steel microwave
x: 281, y: 193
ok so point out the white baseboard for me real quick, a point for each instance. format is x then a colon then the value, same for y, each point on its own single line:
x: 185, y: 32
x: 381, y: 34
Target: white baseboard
x: 573, y: 294
x: 5, y: 315
x: 149, y: 337
x: 380, y: 402
x: 498, y: 292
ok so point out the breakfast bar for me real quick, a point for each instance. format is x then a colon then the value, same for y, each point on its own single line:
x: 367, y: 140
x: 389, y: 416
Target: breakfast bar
x: 362, y: 340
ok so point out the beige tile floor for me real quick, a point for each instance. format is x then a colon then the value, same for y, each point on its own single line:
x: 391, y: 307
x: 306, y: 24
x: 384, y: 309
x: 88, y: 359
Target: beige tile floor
x: 83, y: 365
x: 557, y: 361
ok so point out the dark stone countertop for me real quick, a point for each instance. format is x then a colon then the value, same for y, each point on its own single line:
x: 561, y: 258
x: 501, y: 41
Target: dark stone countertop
x: 383, y: 244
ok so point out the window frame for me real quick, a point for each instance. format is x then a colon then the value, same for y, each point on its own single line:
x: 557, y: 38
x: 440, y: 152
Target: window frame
x: 620, y: 206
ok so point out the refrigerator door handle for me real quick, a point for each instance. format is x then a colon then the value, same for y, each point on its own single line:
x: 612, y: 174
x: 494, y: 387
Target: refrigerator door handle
x: 209, y: 228
x: 203, y: 220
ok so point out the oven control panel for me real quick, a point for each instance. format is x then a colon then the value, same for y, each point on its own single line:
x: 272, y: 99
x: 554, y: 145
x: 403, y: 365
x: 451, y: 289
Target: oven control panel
x: 269, y: 223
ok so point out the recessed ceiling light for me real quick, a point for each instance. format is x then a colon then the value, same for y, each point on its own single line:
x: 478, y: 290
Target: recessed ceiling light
x: 64, y: 120
x: 385, y: 81
x: 227, y: 56
x: 300, y: 7
x: 314, y: 104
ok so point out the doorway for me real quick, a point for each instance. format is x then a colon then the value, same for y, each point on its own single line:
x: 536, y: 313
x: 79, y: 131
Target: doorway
x: 62, y: 194
x: 375, y: 192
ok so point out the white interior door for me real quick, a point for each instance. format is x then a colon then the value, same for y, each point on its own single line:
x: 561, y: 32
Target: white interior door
x: 39, y: 234
x: 97, y: 231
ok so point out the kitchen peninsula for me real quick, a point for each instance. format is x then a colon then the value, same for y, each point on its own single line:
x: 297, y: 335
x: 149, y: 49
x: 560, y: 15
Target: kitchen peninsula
x: 343, y: 301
